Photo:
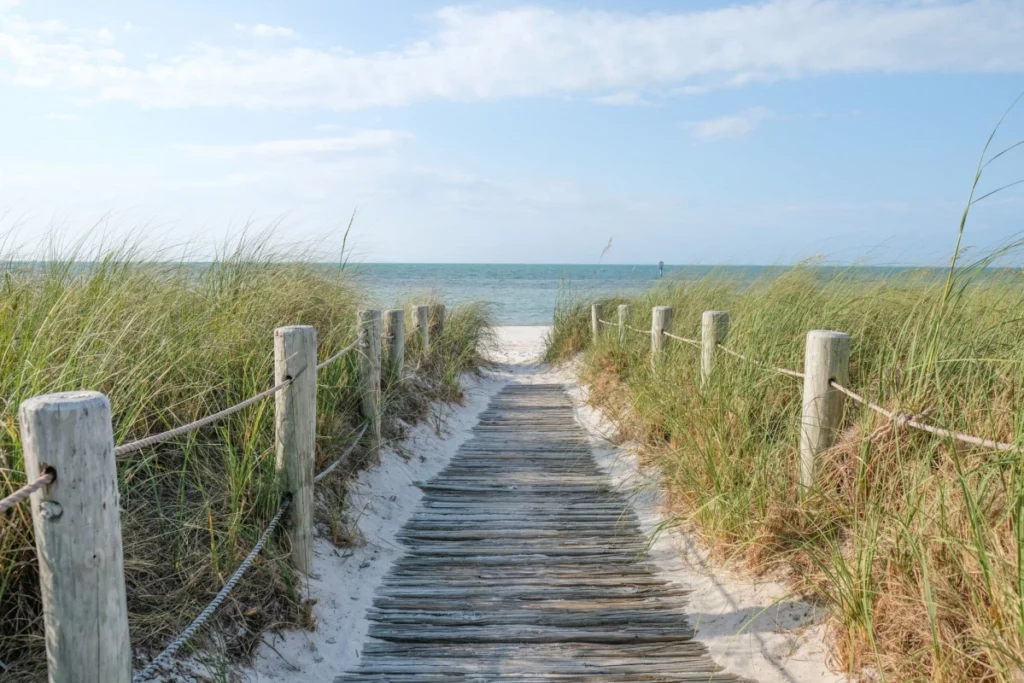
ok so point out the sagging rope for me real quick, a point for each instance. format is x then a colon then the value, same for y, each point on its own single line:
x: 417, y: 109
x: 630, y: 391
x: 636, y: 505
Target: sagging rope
x: 782, y: 371
x: 186, y: 635
x: 682, y: 339
x: 902, y: 419
x: 330, y: 468
x: 25, y: 491
x: 338, y: 355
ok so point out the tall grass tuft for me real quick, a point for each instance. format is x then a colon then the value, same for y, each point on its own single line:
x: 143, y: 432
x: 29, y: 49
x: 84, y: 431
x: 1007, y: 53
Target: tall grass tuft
x: 915, y: 544
x: 169, y: 343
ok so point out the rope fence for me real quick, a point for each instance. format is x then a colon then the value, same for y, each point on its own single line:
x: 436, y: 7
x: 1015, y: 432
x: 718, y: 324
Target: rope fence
x: 165, y: 657
x: 818, y: 422
x: 86, y: 415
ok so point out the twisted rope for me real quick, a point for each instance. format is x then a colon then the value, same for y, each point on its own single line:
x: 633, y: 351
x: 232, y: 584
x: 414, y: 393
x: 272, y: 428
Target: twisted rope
x: 682, y: 339
x: 338, y: 355
x: 781, y: 371
x: 605, y: 322
x: 25, y: 491
x: 186, y: 635
x: 192, y: 426
x: 635, y: 329
x: 330, y: 468
x: 902, y: 419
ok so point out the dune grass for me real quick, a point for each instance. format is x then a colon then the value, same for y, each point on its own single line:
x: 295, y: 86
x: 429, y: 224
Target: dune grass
x: 169, y: 344
x: 914, y: 544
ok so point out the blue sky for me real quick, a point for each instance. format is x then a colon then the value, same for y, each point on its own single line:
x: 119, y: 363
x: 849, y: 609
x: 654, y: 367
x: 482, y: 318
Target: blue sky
x: 693, y: 132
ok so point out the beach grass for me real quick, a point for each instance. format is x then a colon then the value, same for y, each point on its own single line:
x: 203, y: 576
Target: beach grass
x: 914, y: 544
x: 169, y: 343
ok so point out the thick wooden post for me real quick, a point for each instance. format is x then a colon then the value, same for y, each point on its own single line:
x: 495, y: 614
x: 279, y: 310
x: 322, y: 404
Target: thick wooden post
x: 596, y: 313
x: 826, y: 359
x: 77, y: 523
x: 394, y: 332
x: 625, y: 315
x: 369, y: 376
x: 661, y: 321
x: 423, y: 327
x: 295, y: 434
x: 714, y: 328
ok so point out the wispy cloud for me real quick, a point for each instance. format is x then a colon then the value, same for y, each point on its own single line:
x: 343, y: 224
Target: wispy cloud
x: 623, y: 98
x: 480, y: 54
x: 361, y: 141
x: 725, y: 127
x: 265, y: 31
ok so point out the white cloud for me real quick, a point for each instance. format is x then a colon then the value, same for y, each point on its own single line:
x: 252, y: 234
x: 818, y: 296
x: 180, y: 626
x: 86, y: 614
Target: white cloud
x: 725, y: 127
x: 623, y: 98
x: 476, y: 54
x: 265, y: 31
x: 359, y: 142
x: 60, y: 116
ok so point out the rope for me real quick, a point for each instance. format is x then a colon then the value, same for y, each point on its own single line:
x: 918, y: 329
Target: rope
x: 638, y: 330
x: 338, y: 355
x: 781, y: 371
x: 904, y: 419
x: 186, y: 635
x: 192, y: 426
x: 25, y: 491
x: 605, y: 322
x: 682, y: 339
x: 330, y: 468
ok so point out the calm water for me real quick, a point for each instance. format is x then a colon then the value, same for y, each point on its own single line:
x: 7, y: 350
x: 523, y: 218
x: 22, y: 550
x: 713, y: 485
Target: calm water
x: 526, y: 294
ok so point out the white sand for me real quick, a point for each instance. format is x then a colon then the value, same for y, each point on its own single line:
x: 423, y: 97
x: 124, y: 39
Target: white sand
x: 752, y: 628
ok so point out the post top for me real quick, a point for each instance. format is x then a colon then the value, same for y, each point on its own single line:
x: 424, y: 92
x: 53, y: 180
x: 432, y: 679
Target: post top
x: 293, y: 328
x: 65, y: 400
x: 714, y: 314
x: 396, y: 311
x: 663, y: 308
x: 369, y: 313
x: 826, y: 334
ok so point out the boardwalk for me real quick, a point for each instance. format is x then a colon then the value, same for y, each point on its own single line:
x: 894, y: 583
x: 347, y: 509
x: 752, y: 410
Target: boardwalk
x: 523, y: 565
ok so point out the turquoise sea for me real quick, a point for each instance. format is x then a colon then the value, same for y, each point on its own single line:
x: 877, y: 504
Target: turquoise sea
x: 526, y: 294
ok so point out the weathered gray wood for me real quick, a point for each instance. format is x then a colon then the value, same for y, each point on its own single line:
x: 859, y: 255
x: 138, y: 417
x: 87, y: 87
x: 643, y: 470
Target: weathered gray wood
x: 596, y: 313
x: 369, y: 376
x: 826, y: 359
x: 714, y: 328
x: 394, y: 333
x: 661, y: 322
x: 522, y: 562
x: 78, y: 537
x: 423, y: 327
x: 295, y: 434
x: 625, y: 318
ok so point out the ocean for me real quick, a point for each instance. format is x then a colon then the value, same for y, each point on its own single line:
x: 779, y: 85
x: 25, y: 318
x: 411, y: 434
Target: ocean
x: 526, y: 294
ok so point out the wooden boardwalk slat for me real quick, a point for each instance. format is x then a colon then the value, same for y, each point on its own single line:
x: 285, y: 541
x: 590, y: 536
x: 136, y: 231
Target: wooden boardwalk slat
x: 523, y: 564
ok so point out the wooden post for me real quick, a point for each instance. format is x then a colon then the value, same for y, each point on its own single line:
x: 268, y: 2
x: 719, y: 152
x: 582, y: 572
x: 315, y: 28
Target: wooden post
x: 661, y: 321
x: 826, y: 359
x: 423, y: 327
x: 437, y: 313
x: 295, y: 434
x: 596, y: 313
x: 394, y: 331
x: 625, y: 314
x: 77, y: 523
x: 369, y: 376
x: 714, y: 327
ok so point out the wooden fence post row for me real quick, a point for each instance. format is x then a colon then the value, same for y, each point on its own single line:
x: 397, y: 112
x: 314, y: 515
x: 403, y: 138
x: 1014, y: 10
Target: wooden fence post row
x: 77, y: 518
x: 826, y: 360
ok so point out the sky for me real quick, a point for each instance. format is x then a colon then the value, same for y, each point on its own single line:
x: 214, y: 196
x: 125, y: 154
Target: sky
x: 551, y: 132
